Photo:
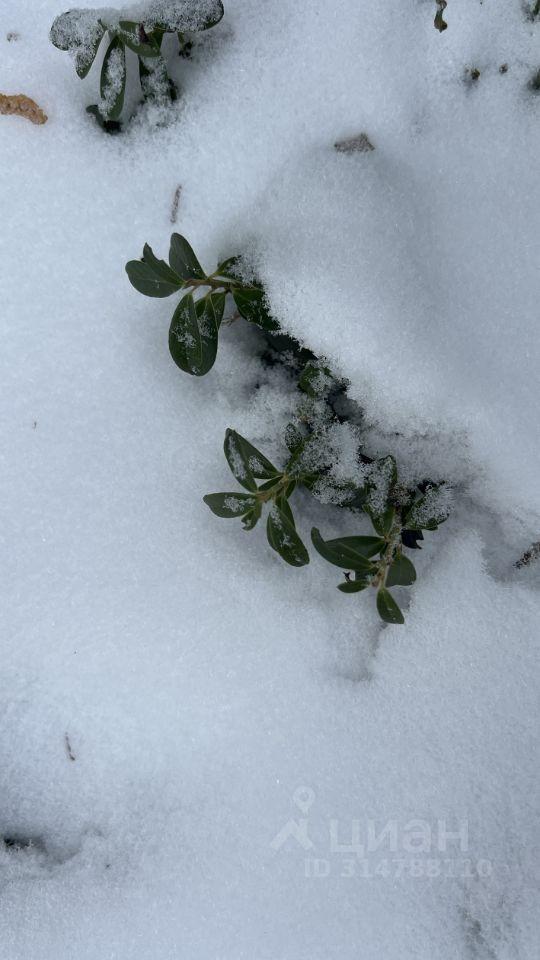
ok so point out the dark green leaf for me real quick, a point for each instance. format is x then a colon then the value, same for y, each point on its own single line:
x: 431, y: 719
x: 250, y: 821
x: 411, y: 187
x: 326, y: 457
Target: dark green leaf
x: 161, y: 269
x: 382, y: 522
x: 409, y: 538
x: 212, y: 16
x: 367, y: 546
x: 353, y: 586
x: 226, y: 269
x: 251, y: 305
x: 246, y: 461
x: 218, y: 302
x: 193, y: 335
x: 183, y: 260
x: 426, y: 513
x: 285, y: 508
x: 229, y: 505
x: 85, y: 56
x: 63, y: 30
x: 113, y: 80
x: 284, y: 539
x: 149, y: 281
x: 135, y: 37
x: 387, y: 607
x: 316, y: 380
x: 109, y: 126
x: 341, y: 554
x: 250, y: 519
x: 401, y: 572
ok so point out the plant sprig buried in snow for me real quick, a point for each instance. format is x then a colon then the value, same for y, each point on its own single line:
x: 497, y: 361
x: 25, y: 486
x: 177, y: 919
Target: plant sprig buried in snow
x: 139, y: 28
x: 324, y: 441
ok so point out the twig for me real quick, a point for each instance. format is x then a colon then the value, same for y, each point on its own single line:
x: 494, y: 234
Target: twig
x: 69, y: 751
x: 175, y: 203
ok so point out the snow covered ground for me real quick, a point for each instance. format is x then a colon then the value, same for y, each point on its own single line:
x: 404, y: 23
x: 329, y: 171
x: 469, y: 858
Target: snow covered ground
x: 214, y: 756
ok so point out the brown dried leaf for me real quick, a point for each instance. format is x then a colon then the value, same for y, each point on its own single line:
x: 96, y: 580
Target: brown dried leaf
x: 20, y: 106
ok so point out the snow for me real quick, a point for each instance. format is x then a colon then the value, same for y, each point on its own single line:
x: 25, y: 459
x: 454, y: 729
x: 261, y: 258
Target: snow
x: 210, y: 695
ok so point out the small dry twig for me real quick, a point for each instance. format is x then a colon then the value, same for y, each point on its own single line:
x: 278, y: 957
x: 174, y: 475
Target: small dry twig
x: 175, y: 203
x: 69, y: 751
x: 19, y: 105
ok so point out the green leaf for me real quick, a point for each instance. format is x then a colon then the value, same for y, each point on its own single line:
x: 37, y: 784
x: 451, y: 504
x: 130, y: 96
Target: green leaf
x: 212, y: 17
x: 251, y: 305
x: 85, y: 56
x: 285, y: 508
x: 382, y: 522
x: 229, y: 505
x: 161, y: 269
x: 113, y: 80
x: 284, y: 539
x: 152, y: 277
x: 250, y: 519
x: 387, y: 607
x: 316, y: 380
x: 426, y: 513
x: 193, y: 335
x: 109, y: 126
x: 226, y: 269
x: 183, y: 260
x: 367, y: 546
x: 246, y: 462
x: 401, y: 572
x: 133, y: 34
x: 353, y: 586
x: 341, y: 554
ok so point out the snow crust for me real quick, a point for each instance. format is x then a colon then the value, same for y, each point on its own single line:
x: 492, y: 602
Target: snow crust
x: 209, y: 695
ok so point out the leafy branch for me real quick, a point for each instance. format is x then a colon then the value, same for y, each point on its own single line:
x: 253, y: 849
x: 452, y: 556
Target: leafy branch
x: 194, y: 329
x: 397, y: 513
x: 80, y: 32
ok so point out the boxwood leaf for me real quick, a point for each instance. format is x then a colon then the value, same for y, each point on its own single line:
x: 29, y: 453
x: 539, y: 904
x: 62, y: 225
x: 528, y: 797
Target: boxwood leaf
x: 160, y: 268
x: 316, y: 380
x: 401, y: 572
x: 387, y: 607
x: 367, y: 546
x: 251, y: 305
x: 133, y: 34
x: 193, y: 335
x: 246, y: 462
x: 409, y: 538
x: 183, y: 260
x: 382, y: 522
x: 86, y: 55
x: 284, y: 539
x: 250, y: 519
x: 353, y: 586
x: 152, y: 277
x: 211, y: 17
x: 218, y: 302
x: 341, y: 554
x: 229, y: 505
x: 113, y: 80
x: 285, y: 508
x: 227, y: 270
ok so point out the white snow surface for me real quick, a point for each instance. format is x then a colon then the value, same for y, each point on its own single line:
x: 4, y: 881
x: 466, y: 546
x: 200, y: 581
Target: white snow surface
x: 210, y: 696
